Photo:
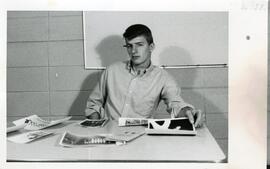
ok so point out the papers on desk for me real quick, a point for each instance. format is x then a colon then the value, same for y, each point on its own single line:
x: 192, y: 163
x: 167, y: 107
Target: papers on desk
x: 125, y: 136
x: 34, y: 123
x: 73, y: 140
x: 177, y: 126
x: 15, y: 128
x: 28, y: 137
x: 93, y: 123
x: 122, y: 121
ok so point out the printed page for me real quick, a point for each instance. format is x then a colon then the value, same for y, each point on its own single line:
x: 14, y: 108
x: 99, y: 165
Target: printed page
x: 36, y: 123
x: 73, y: 140
x: 28, y: 137
x: 126, y: 135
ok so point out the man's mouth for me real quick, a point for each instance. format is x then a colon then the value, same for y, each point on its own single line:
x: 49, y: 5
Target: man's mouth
x: 135, y: 57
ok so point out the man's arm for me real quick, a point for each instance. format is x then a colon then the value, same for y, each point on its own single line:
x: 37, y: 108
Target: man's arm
x: 176, y: 106
x: 95, y: 102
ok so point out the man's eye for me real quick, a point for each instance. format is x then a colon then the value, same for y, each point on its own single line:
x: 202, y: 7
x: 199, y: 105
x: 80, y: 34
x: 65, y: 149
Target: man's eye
x: 135, y: 45
x: 127, y: 46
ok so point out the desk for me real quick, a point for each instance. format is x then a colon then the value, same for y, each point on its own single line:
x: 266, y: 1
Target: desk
x: 147, y: 148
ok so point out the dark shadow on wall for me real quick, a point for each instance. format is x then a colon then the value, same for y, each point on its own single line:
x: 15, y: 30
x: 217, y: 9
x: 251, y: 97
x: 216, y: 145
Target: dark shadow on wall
x: 172, y: 54
x: 110, y: 50
x: 78, y: 106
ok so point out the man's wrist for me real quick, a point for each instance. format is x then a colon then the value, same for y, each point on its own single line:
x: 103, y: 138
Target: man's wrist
x: 187, y: 109
x: 184, y: 110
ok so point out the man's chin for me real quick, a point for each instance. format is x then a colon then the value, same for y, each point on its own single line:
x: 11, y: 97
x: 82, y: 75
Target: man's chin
x: 134, y: 62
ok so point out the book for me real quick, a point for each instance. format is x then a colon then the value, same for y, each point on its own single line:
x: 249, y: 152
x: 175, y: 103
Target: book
x: 93, y: 123
x: 73, y: 140
x: 34, y: 122
x: 122, y: 121
x: 28, y: 136
x: 177, y: 126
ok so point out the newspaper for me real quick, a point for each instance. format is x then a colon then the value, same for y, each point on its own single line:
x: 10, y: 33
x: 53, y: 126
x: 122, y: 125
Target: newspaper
x: 72, y: 140
x: 34, y: 123
x: 132, y: 121
x: 28, y: 136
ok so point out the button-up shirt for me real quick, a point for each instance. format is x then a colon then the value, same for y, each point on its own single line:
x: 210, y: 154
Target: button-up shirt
x: 121, y: 92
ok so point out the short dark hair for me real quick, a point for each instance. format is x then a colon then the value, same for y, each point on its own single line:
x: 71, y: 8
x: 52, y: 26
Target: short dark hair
x: 136, y: 30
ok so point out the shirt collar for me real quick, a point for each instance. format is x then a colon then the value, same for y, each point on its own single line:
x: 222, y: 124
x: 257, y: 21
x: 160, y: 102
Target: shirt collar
x: 129, y: 67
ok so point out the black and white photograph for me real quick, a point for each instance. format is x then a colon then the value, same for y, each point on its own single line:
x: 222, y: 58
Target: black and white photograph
x: 109, y: 65
x: 189, y: 83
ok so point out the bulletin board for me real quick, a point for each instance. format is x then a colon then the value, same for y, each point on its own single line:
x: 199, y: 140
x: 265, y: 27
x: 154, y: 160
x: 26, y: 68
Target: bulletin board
x: 181, y: 38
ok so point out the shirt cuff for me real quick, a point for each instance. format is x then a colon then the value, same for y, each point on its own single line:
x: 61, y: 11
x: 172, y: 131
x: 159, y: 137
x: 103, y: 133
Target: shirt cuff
x: 178, y: 107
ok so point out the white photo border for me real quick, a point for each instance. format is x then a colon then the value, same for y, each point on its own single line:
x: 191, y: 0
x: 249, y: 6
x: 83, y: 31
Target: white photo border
x: 247, y: 76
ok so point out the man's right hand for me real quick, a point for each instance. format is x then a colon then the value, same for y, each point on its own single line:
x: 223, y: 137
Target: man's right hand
x: 94, y: 115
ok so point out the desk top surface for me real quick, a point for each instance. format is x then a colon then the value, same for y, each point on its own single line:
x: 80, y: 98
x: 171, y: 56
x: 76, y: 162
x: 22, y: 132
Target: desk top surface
x: 199, y: 148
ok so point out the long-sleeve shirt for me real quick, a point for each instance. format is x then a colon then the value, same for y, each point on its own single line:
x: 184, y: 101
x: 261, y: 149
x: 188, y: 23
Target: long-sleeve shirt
x: 122, y: 93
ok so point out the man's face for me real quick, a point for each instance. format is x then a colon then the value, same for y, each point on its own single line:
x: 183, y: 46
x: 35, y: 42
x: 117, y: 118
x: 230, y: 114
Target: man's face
x: 139, y: 51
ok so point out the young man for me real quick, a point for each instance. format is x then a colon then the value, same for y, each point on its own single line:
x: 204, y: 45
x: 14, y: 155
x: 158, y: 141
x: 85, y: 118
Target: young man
x: 134, y: 88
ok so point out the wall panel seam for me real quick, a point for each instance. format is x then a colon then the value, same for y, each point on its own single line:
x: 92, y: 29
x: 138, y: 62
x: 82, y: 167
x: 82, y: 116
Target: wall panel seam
x: 25, y: 17
x: 53, y: 40
x: 64, y: 16
x: 48, y: 59
x: 27, y: 91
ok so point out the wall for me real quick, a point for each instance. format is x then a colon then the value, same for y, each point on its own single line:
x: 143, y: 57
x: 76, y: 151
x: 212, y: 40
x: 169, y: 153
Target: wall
x: 46, y: 75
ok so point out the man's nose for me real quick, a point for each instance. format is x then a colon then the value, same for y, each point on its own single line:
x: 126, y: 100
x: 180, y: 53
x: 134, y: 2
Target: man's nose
x: 134, y: 49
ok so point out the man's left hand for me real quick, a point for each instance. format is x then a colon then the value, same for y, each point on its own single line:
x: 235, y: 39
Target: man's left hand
x: 195, y: 117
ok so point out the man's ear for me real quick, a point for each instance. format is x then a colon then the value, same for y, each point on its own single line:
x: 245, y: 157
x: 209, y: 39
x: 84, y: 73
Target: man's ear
x: 152, y: 47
